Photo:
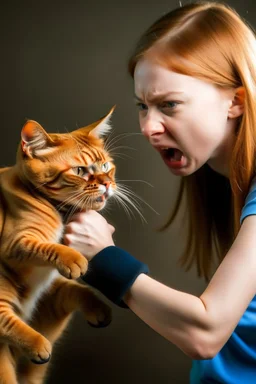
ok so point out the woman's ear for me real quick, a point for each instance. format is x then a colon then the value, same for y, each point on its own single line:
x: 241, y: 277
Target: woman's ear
x: 237, y: 106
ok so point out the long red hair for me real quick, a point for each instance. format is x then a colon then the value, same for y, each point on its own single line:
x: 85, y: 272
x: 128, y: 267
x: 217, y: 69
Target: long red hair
x: 210, y: 41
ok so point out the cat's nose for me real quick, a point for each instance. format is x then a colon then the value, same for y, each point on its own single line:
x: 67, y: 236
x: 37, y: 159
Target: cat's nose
x: 107, y: 184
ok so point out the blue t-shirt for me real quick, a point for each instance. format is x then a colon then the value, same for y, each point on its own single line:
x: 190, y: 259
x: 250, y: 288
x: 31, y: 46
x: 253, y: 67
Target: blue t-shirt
x: 236, y: 361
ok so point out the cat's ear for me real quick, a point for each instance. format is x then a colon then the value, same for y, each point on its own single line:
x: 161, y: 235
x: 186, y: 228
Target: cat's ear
x: 34, y: 139
x: 98, y: 129
x: 102, y: 127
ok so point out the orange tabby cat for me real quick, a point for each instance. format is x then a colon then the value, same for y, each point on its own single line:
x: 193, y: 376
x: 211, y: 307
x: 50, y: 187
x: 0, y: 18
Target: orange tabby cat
x: 54, y: 176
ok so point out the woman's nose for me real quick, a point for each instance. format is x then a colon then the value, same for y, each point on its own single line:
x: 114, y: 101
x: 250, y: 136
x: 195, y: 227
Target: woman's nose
x: 151, y: 126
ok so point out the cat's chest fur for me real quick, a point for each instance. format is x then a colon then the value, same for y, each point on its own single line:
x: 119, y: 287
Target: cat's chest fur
x: 39, y: 281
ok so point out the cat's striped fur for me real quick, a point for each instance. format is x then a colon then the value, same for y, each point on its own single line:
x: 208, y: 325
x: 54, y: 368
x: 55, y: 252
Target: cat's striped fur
x: 55, y: 175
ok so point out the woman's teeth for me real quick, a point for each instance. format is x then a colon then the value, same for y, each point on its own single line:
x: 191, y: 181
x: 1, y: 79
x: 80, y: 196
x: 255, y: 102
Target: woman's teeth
x: 172, y: 153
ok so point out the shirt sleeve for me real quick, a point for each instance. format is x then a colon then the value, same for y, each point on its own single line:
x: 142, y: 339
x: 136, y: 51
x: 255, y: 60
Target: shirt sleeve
x: 250, y: 202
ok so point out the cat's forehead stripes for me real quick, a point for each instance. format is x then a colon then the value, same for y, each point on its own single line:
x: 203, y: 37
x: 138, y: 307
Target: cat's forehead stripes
x: 93, y: 154
x: 89, y: 148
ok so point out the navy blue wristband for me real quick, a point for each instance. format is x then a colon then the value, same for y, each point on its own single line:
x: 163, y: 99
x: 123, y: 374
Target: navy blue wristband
x: 113, y: 271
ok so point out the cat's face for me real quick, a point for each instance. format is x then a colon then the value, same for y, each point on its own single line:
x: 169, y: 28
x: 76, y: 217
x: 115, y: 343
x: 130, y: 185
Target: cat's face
x: 73, y: 169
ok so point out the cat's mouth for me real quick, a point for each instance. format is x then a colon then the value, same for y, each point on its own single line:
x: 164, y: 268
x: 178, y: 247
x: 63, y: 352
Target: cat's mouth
x: 102, y: 198
x: 105, y: 194
x: 99, y: 202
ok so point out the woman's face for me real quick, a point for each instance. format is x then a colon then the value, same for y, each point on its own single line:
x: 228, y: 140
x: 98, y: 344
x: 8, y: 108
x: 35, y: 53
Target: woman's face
x: 185, y: 119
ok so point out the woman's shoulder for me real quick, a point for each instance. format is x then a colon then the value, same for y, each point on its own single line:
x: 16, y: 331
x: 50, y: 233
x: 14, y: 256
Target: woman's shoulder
x: 249, y: 207
x: 253, y: 184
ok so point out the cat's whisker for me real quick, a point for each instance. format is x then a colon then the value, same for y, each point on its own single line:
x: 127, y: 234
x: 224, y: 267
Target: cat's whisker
x: 130, y: 196
x: 132, y: 202
x: 107, y: 208
x: 121, y: 147
x: 88, y: 202
x: 113, y: 147
x: 110, y: 141
x: 75, y: 206
x: 84, y: 205
x: 71, y: 212
x: 126, y: 209
x: 73, y: 209
x: 121, y: 155
x: 124, y: 206
x: 142, y: 181
x: 80, y: 197
x: 134, y: 195
x: 120, y: 136
x: 69, y: 199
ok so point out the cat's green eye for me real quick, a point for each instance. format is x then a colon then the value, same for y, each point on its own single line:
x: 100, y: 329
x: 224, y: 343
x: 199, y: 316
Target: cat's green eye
x: 80, y: 171
x: 105, y: 167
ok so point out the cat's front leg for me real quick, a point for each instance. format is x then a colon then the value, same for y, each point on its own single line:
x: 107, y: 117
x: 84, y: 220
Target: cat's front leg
x: 70, y: 263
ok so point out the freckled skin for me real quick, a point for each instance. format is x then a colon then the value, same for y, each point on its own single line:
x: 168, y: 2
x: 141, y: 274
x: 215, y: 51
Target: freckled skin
x: 171, y: 107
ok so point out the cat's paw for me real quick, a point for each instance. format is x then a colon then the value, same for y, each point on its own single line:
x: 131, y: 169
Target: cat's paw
x: 97, y: 313
x: 41, y: 351
x: 72, y: 265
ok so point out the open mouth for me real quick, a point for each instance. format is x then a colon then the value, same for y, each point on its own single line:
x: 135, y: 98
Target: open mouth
x: 173, y: 154
x: 101, y: 198
x: 173, y: 157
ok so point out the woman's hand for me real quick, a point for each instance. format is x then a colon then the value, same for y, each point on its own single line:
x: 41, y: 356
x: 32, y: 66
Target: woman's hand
x: 88, y: 232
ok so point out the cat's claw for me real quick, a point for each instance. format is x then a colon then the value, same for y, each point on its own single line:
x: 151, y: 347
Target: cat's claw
x: 101, y: 324
x: 41, y: 352
x: 98, y: 314
x: 40, y: 360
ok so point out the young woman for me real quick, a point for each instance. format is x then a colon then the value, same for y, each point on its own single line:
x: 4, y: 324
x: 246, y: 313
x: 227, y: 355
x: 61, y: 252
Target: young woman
x: 194, y: 74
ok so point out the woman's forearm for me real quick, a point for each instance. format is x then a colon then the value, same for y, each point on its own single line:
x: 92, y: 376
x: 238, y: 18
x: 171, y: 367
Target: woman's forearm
x: 179, y: 317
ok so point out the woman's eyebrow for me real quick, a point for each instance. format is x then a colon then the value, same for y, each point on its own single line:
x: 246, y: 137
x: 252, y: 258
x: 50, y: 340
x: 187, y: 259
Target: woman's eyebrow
x: 159, y: 97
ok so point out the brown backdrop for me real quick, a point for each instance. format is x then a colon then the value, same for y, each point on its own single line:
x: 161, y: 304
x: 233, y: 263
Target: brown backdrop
x: 64, y: 65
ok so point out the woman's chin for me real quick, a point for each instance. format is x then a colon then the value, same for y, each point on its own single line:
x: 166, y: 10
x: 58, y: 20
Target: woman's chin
x: 181, y: 171
x: 188, y: 170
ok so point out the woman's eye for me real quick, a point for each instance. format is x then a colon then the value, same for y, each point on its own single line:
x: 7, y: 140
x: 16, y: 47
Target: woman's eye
x: 105, y: 167
x: 141, y: 106
x: 80, y: 171
x: 169, y: 104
